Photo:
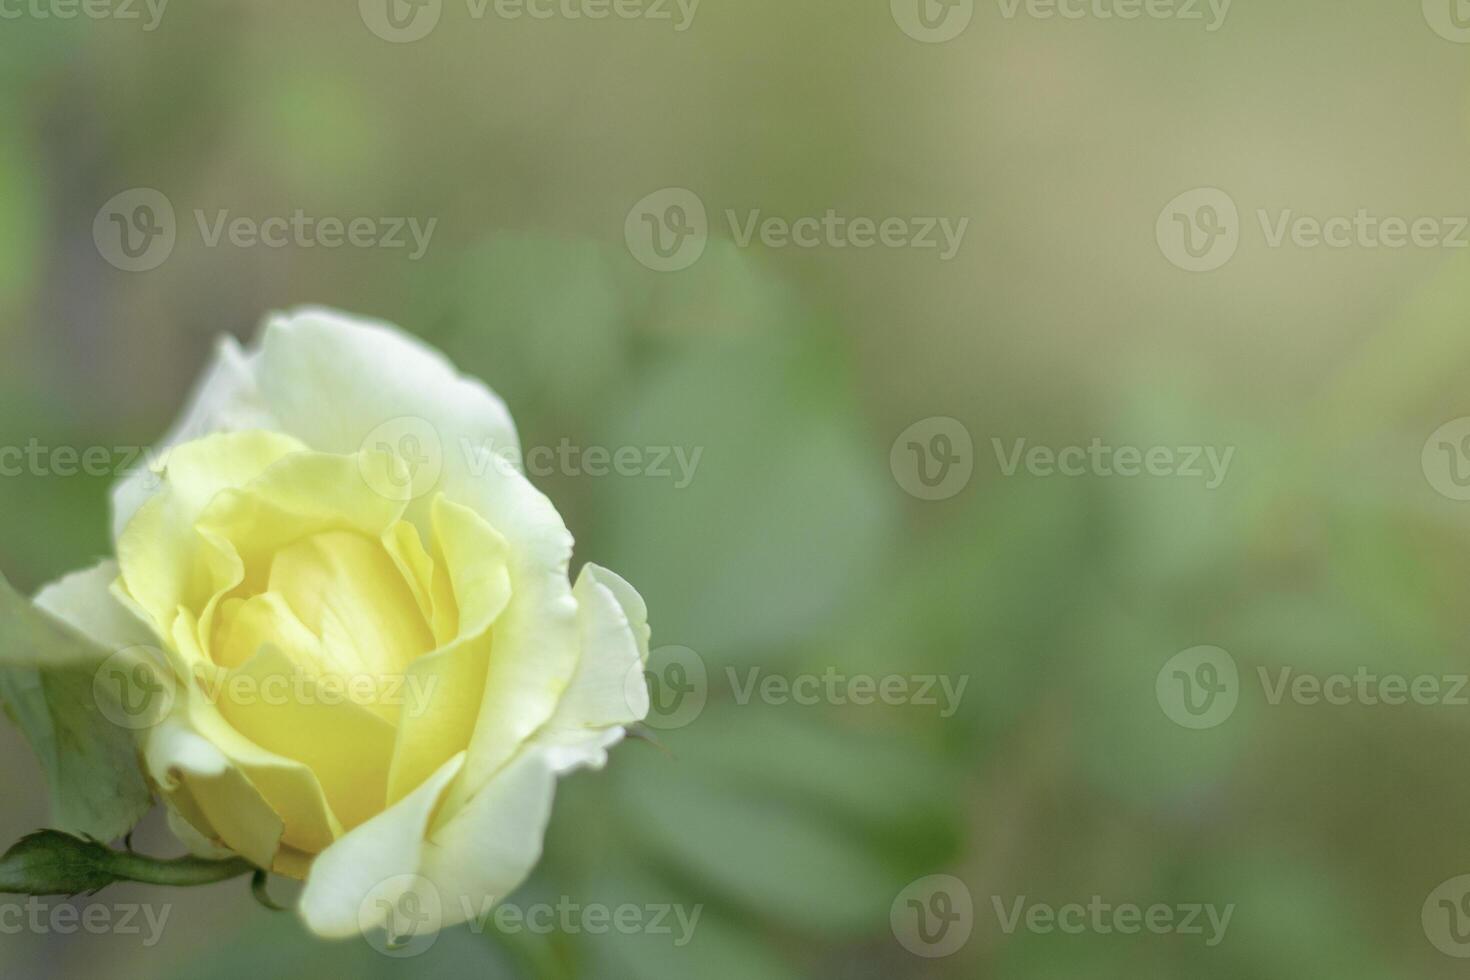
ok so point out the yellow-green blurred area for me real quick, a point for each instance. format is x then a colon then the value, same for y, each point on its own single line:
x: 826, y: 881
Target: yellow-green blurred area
x: 796, y: 550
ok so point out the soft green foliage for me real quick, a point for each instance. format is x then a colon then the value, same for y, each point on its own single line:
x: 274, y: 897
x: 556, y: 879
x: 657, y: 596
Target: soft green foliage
x: 793, y: 549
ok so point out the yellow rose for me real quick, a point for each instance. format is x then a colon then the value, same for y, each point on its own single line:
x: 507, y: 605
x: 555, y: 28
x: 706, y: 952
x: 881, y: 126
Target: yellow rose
x: 375, y: 660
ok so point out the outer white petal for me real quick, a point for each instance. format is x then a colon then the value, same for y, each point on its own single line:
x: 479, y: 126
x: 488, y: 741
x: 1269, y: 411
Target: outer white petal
x: 608, y: 691
x: 375, y: 861
x: 226, y: 399
x: 84, y: 601
x: 535, y: 639
x: 332, y: 380
x: 481, y: 853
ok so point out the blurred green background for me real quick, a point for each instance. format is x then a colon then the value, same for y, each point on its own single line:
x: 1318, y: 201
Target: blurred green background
x: 796, y: 548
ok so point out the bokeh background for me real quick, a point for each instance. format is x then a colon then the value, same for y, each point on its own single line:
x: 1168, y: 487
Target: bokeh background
x: 797, y: 548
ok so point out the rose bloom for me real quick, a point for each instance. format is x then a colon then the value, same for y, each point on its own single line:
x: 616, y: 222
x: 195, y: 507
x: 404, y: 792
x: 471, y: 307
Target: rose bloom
x: 336, y: 531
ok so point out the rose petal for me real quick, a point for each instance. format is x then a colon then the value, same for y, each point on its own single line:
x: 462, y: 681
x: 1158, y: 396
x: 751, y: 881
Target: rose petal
x: 478, y: 855
x: 335, y: 904
x: 607, y: 691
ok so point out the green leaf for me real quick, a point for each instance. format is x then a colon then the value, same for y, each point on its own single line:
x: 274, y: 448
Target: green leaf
x: 49, y: 862
x: 47, y: 673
